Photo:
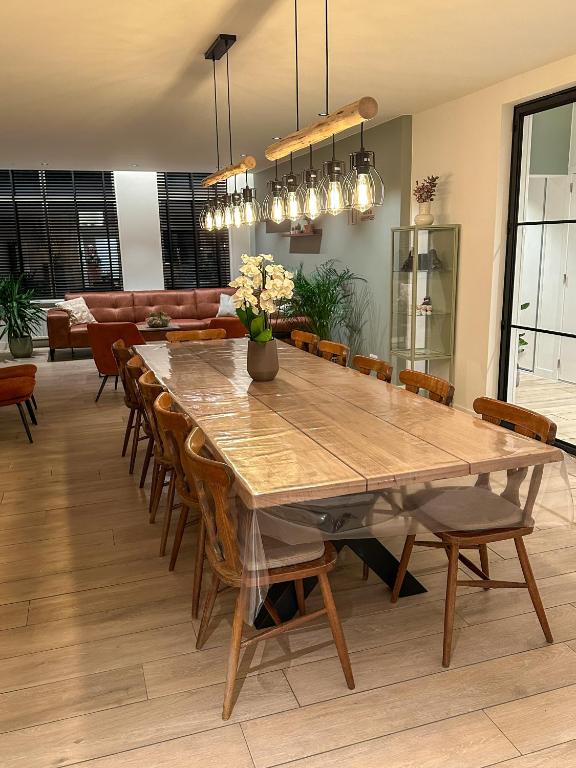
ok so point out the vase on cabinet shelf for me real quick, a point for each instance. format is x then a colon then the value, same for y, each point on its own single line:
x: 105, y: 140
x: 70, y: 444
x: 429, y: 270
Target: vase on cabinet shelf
x: 424, y: 218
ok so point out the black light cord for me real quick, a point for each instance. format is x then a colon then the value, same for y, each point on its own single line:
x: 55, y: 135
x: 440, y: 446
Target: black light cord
x: 297, y: 67
x: 326, y: 48
x: 229, y: 110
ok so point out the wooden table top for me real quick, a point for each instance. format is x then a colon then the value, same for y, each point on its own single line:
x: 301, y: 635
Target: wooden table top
x: 319, y: 430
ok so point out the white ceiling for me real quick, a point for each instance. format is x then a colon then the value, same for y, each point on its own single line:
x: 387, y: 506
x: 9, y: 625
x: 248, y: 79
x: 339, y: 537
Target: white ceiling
x: 117, y: 83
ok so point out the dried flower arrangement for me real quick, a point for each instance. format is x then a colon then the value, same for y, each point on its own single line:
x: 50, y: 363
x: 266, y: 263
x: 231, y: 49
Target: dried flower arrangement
x: 425, y: 191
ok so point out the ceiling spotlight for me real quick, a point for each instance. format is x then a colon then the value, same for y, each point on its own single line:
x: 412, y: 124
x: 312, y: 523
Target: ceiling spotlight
x: 43, y: 164
x: 276, y: 138
x: 133, y: 165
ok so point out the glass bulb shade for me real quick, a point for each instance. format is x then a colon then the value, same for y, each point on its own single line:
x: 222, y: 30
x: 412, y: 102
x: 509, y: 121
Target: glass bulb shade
x: 237, y: 218
x: 364, y: 184
x: 273, y: 207
x: 227, y: 216
x: 334, y: 197
x: 291, y: 197
x: 219, y: 217
x: 363, y: 192
x: 335, y: 203
x: 250, y: 207
x: 277, y: 209
x: 312, y: 207
x: 208, y: 222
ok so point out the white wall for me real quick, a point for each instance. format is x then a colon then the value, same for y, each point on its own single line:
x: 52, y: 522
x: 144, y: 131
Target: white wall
x: 139, y: 229
x: 467, y: 142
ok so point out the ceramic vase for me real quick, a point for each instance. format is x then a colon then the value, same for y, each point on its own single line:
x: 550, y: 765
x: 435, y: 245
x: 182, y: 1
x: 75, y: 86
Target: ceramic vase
x: 262, y: 360
x: 20, y: 346
x: 424, y: 218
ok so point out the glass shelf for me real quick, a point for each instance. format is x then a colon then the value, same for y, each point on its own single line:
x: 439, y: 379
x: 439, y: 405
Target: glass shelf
x: 420, y: 354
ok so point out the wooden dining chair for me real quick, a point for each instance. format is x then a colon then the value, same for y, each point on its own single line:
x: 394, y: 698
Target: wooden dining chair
x: 367, y: 365
x: 214, y: 483
x: 174, y: 427
x: 135, y: 367
x: 162, y: 467
x: 208, y: 334
x: 306, y: 341
x: 122, y: 354
x: 435, y: 508
x: 334, y: 351
x: 439, y: 390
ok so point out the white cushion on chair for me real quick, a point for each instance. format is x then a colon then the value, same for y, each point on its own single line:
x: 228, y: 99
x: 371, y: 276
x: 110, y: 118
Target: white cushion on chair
x: 463, y: 508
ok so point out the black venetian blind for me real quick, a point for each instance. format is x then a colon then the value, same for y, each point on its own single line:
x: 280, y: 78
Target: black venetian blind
x: 192, y: 257
x: 59, y: 229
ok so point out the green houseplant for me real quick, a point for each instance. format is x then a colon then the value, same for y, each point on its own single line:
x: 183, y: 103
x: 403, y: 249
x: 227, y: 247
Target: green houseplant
x: 327, y: 297
x: 21, y: 318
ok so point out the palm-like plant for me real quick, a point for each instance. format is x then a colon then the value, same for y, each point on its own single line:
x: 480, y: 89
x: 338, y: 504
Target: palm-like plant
x: 21, y: 318
x: 326, y: 297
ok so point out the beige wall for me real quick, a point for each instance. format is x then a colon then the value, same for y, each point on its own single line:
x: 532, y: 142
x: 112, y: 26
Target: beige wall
x: 467, y: 142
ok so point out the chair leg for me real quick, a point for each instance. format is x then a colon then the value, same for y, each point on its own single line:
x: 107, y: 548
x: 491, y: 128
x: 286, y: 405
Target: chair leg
x: 155, y: 469
x: 104, y: 380
x: 23, y: 417
x: 178, y: 536
x: 198, y: 567
x: 147, y: 457
x: 34, y: 402
x: 450, y: 606
x: 31, y: 412
x: 336, y: 627
x: 207, y: 612
x: 129, y: 427
x: 533, y: 588
x: 299, y: 586
x: 135, y: 438
x: 365, y: 571
x: 402, y: 567
x: 484, y: 562
x: 115, y: 383
x: 168, y: 515
x: 234, y: 654
x: 51, y: 354
x: 160, y: 477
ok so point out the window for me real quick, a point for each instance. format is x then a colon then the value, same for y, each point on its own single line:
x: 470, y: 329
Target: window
x: 59, y: 229
x: 192, y: 257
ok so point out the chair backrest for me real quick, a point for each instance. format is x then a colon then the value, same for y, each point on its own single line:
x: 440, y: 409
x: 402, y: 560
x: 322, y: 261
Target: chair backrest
x: 306, y: 341
x: 334, y: 351
x: 232, y: 325
x: 175, y: 337
x: 150, y: 388
x: 521, y: 420
x: 135, y: 367
x: 438, y: 389
x: 214, y: 485
x: 366, y: 365
x: 122, y: 354
x: 101, y: 337
x: 174, y: 427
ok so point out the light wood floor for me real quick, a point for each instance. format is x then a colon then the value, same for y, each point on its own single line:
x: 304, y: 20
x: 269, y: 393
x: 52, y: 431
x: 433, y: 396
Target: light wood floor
x: 97, y: 658
x: 555, y: 399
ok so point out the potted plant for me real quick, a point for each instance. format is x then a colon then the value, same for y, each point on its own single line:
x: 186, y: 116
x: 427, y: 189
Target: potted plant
x: 424, y: 193
x: 259, y: 289
x: 20, y: 316
x: 327, y: 299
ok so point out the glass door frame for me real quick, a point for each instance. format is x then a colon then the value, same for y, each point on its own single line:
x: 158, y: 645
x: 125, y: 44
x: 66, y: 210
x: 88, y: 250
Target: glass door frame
x: 508, y: 327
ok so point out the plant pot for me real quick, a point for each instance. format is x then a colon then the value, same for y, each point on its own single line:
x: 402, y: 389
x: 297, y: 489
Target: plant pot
x: 262, y: 360
x: 424, y: 218
x: 21, y: 346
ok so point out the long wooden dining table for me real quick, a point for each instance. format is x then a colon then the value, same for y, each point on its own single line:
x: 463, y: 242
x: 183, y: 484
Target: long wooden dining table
x: 319, y: 430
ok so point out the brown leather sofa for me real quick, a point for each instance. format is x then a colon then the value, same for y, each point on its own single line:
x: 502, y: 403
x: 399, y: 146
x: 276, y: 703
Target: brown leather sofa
x: 190, y: 309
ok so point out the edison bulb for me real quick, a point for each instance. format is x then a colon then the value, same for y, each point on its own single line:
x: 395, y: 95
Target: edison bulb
x: 292, y: 207
x: 363, y: 193
x: 335, y: 198
x: 237, y: 216
x: 209, y: 220
x: 249, y: 213
x: 227, y: 216
x: 312, y: 203
x: 277, y: 210
x: 218, y: 218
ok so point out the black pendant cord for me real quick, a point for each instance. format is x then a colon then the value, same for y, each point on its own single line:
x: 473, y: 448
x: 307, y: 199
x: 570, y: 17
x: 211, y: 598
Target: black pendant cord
x: 326, y: 49
x: 276, y: 170
x: 310, y: 152
x: 333, y: 147
x: 297, y: 65
x: 216, y: 125
x: 361, y: 137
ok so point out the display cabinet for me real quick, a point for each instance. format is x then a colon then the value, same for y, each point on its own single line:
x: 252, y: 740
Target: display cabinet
x: 423, y: 302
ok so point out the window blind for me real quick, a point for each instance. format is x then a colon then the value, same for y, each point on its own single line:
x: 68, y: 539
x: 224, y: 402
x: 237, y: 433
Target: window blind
x: 59, y: 229
x: 192, y: 257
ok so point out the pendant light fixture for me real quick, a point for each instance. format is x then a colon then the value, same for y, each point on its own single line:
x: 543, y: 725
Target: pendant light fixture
x: 333, y: 197
x: 250, y: 206
x: 291, y: 188
x: 365, y: 187
x: 310, y: 191
x: 209, y: 218
x: 232, y: 201
x: 273, y: 207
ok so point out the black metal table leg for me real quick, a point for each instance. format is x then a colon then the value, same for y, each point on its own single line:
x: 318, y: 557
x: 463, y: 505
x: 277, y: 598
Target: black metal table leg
x: 371, y: 551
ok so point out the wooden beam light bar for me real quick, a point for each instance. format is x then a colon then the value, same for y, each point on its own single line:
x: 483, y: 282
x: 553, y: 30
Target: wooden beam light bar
x: 346, y: 117
x: 246, y: 164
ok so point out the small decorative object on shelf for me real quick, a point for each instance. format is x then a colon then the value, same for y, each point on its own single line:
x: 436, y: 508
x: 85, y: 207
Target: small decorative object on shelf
x: 262, y: 284
x: 158, y: 320
x: 425, y: 308
x: 424, y: 193
x: 426, y: 261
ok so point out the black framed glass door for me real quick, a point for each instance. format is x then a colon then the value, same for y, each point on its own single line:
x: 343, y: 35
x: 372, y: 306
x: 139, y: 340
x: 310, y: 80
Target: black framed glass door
x: 538, y: 341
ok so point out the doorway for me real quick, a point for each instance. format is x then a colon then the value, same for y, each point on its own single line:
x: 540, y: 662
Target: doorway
x: 538, y: 343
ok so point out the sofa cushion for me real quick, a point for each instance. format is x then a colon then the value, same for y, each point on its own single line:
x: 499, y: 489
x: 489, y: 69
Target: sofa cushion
x: 176, y: 304
x: 77, y: 310
x: 110, y: 307
x: 208, y: 300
